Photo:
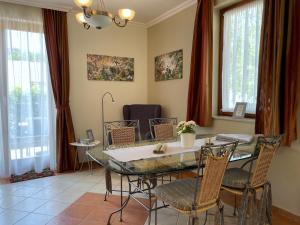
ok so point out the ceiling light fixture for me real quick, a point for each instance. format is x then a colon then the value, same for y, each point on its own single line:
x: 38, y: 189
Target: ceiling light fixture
x: 100, y: 17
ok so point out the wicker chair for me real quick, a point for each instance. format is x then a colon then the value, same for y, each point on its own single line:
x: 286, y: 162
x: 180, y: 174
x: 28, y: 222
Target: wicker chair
x: 162, y: 128
x: 197, y: 195
x: 246, y: 183
x: 121, y: 133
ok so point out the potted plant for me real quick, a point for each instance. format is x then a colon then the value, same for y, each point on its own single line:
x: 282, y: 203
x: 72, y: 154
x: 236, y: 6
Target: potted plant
x: 187, y: 132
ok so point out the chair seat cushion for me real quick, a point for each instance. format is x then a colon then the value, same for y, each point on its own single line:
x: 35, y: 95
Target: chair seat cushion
x: 236, y: 178
x: 179, y: 194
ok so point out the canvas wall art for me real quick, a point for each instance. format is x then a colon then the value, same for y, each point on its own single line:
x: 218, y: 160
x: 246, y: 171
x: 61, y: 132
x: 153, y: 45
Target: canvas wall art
x: 169, y: 66
x: 110, y: 68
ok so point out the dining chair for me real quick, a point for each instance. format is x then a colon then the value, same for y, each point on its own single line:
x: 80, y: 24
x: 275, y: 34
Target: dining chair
x: 248, y: 182
x: 162, y: 128
x: 197, y: 195
x: 119, y: 134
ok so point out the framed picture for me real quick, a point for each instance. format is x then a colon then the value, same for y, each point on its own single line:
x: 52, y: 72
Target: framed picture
x: 90, y: 135
x: 169, y: 66
x: 239, y: 110
x: 110, y: 68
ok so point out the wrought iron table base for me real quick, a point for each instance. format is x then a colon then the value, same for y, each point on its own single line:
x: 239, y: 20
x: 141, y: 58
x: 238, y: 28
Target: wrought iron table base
x: 138, y: 189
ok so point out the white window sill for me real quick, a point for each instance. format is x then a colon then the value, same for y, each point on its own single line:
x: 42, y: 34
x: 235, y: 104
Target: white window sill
x: 229, y: 118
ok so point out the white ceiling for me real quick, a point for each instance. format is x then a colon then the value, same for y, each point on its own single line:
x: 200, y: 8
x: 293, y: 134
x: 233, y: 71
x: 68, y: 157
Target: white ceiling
x: 146, y: 10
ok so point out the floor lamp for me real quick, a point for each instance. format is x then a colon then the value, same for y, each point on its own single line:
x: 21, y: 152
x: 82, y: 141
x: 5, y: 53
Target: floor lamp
x: 112, y: 100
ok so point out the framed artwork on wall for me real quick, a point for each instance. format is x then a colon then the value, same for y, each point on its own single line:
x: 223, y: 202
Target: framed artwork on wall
x: 169, y: 66
x: 110, y: 68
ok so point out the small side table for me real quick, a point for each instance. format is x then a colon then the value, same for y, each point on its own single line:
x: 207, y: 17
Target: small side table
x: 83, y: 147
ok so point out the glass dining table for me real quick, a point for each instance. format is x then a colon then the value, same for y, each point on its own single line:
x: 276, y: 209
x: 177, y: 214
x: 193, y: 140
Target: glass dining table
x: 143, y: 168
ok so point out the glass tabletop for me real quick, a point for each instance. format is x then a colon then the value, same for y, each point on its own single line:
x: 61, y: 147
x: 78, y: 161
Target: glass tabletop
x: 159, y: 164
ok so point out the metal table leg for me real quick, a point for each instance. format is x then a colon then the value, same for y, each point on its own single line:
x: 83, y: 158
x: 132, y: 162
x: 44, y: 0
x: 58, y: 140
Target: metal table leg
x: 123, y: 204
x: 121, y: 212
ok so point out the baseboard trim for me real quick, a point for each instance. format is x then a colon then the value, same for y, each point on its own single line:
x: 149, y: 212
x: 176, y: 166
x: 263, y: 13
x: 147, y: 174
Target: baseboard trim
x: 284, y: 213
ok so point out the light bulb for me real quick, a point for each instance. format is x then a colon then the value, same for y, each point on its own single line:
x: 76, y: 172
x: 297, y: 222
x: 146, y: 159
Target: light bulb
x: 80, y: 18
x: 83, y: 3
x: 126, y: 14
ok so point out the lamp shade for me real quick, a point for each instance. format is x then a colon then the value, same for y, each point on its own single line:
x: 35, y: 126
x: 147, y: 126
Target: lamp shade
x: 83, y: 3
x: 80, y: 18
x: 99, y: 20
x: 126, y: 14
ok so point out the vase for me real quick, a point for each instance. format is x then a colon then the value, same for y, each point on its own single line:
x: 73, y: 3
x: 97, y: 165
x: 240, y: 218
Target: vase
x: 187, y: 140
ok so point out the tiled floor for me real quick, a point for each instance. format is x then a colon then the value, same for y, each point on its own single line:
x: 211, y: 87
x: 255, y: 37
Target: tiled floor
x: 37, y: 202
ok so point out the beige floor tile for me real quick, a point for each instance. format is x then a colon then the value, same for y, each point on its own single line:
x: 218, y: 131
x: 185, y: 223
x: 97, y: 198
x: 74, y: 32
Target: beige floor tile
x: 6, y: 192
x: 68, y: 196
x: 52, y: 208
x: 8, y: 189
x: 9, y: 217
x: 38, y: 183
x: 29, y: 204
x: 82, y: 186
x: 48, y: 193
x: 34, y: 219
x: 98, y: 188
x: 26, y: 191
x: 60, y: 184
x: 9, y: 201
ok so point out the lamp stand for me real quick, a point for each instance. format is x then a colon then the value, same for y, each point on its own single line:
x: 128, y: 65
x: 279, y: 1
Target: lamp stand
x: 103, y: 129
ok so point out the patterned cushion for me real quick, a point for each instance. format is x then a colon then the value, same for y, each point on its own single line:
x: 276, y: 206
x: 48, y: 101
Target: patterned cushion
x: 179, y: 194
x: 236, y: 178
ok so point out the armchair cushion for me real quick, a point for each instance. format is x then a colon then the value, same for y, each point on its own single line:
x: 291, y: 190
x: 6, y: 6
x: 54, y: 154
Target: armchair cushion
x: 179, y: 194
x: 236, y: 178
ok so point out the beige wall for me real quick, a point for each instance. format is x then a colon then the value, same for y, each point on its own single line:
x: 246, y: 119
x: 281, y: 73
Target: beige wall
x: 176, y: 33
x: 172, y: 34
x: 85, y: 96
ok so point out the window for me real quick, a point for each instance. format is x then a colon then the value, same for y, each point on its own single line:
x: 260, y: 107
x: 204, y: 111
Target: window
x: 239, y: 55
x: 27, y: 122
x: 29, y: 94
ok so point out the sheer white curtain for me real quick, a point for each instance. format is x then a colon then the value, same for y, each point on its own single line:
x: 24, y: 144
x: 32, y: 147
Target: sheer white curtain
x: 27, y: 118
x: 241, y: 41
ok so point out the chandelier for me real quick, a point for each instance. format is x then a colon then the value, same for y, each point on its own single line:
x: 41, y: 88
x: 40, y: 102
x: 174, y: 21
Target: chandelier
x: 100, y: 17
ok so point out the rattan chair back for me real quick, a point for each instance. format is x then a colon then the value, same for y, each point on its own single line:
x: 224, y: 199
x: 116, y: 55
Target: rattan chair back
x: 268, y: 148
x: 162, y: 128
x: 120, y: 133
x: 123, y: 135
x: 269, y: 140
x: 163, y: 131
x: 216, y: 160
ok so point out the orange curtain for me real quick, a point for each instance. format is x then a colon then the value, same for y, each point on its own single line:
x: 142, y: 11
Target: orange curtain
x: 56, y: 37
x: 279, y: 70
x: 199, y: 106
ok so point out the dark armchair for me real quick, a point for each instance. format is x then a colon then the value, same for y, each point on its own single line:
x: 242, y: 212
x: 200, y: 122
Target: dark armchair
x: 142, y: 112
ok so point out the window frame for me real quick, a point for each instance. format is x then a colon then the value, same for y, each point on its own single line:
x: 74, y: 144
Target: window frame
x: 221, y: 38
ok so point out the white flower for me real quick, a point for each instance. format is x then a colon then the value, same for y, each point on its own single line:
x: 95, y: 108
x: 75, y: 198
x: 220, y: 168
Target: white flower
x: 191, y: 122
x: 181, y: 123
